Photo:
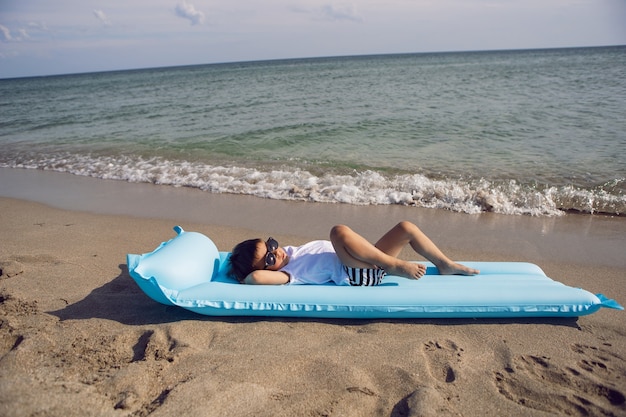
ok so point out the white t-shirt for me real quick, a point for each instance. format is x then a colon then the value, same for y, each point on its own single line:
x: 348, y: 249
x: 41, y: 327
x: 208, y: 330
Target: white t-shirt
x: 314, y: 263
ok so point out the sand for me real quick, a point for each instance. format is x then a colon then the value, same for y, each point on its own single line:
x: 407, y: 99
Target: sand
x: 78, y: 338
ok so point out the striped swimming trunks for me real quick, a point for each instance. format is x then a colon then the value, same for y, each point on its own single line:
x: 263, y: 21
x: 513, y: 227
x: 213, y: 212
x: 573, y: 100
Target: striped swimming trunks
x: 359, y: 277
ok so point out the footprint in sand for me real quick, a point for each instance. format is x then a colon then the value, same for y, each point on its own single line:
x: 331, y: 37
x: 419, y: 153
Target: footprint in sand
x: 12, y: 307
x: 16, y: 264
x: 15, y: 306
x: 153, y: 352
x: 424, y: 402
x: 535, y: 382
x: 10, y: 268
x: 440, y: 357
x: 596, y: 359
x: 156, y: 345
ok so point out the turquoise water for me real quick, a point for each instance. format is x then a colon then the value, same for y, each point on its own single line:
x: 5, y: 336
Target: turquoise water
x: 516, y: 132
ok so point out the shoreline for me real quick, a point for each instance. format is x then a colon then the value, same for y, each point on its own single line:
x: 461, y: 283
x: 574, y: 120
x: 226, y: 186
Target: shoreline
x: 79, y: 338
x: 583, y: 239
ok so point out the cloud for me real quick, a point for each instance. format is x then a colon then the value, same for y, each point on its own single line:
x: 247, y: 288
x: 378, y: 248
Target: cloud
x: 102, y: 17
x: 188, y: 11
x: 38, y: 26
x: 7, y: 36
x: 346, y: 12
x: 5, y: 33
x: 330, y: 12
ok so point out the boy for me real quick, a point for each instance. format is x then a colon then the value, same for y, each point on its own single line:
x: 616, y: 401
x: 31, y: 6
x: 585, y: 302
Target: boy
x: 348, y: 259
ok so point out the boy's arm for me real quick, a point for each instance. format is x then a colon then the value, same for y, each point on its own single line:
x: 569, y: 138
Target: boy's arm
x: 264, y: 277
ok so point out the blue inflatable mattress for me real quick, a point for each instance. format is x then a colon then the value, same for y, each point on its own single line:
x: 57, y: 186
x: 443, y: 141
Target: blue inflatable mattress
x: 188, y: 271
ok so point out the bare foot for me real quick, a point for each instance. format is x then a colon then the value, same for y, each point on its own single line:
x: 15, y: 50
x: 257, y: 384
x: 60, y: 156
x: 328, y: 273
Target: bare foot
x: 453, y: 268
x: 405, y: 269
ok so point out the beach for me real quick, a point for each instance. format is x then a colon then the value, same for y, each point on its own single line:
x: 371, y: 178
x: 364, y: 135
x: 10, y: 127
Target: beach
x: 79, y: 338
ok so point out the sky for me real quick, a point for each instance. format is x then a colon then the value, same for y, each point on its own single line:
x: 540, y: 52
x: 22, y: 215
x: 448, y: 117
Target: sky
x: 44, y: 37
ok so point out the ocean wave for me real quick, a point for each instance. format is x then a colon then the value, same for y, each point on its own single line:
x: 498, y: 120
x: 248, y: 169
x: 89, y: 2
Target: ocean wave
x: 360, y: 188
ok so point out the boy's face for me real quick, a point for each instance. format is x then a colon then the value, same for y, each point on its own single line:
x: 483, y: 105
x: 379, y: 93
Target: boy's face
x: 262, y: 256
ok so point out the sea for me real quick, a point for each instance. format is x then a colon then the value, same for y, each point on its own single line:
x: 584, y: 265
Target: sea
x: 523, y: 132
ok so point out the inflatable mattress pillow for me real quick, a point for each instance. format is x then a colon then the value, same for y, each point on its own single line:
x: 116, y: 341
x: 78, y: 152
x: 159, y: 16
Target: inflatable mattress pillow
x: 187, y: 260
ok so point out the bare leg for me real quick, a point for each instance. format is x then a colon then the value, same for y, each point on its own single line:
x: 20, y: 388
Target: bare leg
x: 407, y: 233
x: 355, y: 251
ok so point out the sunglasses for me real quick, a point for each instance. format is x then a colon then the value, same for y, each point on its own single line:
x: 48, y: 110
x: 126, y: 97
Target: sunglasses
x: 270, y: 256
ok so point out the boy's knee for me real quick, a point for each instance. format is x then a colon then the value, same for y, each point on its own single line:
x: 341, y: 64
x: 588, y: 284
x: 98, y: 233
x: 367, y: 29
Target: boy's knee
x: 338, y: 230
x: 406, y: 225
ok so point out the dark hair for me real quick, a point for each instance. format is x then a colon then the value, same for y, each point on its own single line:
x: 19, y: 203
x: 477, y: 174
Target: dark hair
x: 242, y: 258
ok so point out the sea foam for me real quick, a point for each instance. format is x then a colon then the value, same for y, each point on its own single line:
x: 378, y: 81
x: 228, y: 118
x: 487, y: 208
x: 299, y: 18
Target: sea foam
x: 359, y: 188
